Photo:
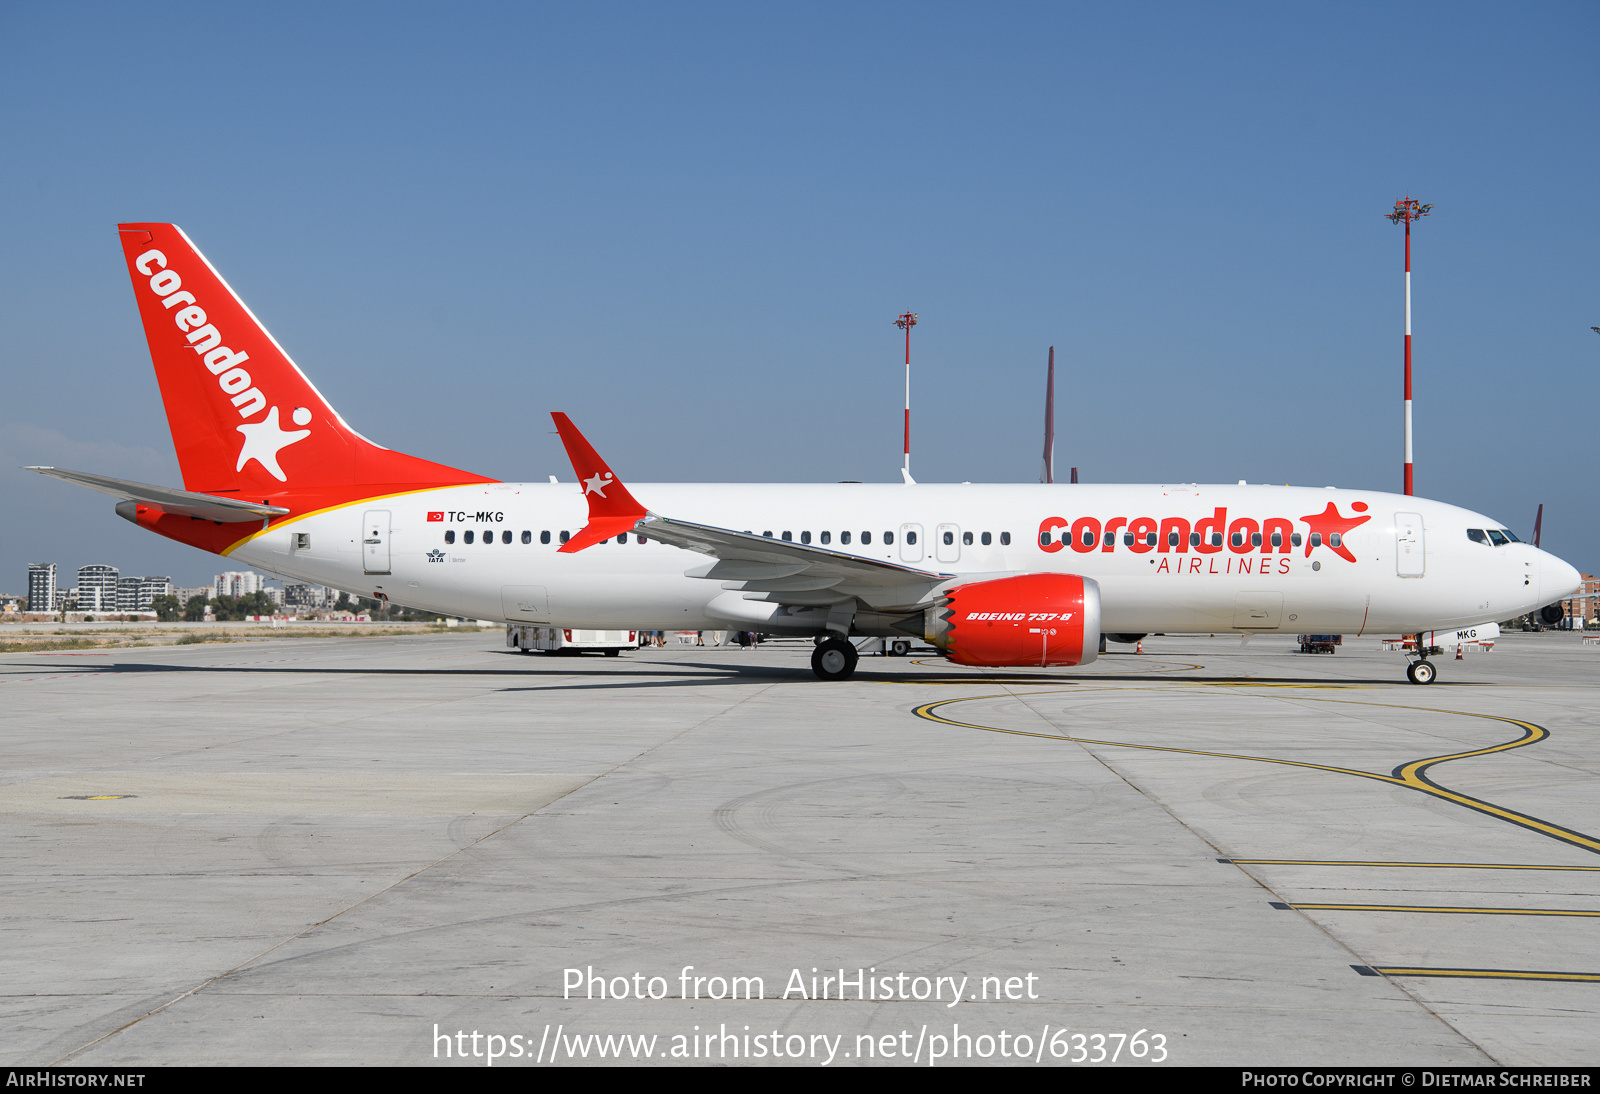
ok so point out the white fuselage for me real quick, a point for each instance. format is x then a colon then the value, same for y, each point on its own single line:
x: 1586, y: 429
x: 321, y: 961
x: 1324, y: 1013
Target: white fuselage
x: 1414, y: 568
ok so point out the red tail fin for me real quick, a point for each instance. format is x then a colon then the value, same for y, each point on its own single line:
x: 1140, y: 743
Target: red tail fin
x: 244, y: 418
x: 611, y: 508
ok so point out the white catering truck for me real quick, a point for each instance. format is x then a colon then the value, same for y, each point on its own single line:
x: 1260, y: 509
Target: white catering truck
x: 568, y: 640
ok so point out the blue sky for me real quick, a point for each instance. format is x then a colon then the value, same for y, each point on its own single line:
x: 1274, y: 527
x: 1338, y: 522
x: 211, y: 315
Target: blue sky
x: 691, y: 227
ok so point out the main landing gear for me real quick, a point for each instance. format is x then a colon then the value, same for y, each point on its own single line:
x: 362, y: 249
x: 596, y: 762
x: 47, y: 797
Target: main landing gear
x: 1421, y: 671
x: 834, y: 659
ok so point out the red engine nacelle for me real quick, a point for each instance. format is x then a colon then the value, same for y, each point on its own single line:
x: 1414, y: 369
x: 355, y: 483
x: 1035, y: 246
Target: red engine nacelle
x: 1033, y: 619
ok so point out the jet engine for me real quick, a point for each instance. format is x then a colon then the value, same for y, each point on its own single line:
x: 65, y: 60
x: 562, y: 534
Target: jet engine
x: 1032, y: 619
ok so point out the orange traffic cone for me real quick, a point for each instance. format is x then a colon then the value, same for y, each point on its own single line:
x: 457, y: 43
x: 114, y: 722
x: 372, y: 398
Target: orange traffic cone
x: 1139, y: 648
x: 1458, y: 653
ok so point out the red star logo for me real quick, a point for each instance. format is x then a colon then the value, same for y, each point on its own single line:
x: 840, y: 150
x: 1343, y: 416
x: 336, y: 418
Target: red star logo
x: 1329, y: 523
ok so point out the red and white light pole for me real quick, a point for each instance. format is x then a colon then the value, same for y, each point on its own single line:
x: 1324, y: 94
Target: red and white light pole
x: 905, y: 323
x: 1405, y: 211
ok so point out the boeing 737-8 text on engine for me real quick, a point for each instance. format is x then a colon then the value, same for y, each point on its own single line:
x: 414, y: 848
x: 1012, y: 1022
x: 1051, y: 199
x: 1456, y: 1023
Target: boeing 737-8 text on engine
x: 991, y: 575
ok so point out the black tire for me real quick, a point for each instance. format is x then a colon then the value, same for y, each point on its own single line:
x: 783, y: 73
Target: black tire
x: 834, y: 659
x: 900, y: 648
x: 1422, y: 672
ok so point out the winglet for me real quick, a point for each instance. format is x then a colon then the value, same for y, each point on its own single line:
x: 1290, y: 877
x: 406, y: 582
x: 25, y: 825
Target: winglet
x: 612, y: 510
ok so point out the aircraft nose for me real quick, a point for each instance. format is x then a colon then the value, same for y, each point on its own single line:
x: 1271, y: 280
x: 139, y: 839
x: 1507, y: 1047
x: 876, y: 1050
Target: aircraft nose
x: 1557, y: 579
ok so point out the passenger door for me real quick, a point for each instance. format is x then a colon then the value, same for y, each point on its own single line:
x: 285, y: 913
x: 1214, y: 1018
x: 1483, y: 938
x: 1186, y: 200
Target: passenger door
x: 1408, y: 544
x: 947, y: 543
x: 375, y: 541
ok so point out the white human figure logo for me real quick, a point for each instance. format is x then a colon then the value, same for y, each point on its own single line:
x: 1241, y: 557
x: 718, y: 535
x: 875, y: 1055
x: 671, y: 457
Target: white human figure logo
x: 264, y: 440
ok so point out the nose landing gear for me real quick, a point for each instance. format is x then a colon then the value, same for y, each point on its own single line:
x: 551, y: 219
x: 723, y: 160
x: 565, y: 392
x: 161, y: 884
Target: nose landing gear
x: 1421, y: 671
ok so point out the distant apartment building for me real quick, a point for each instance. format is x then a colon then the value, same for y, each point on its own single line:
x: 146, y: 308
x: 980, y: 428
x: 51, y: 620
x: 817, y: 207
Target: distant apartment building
x: 308, y: 597
x: 236, y: 584
x: 152, y: 587
x: 97, y: 588
x: 41, y: 586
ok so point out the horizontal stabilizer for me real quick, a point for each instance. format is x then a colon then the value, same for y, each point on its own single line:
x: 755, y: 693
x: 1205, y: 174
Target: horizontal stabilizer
x: 181, y: 503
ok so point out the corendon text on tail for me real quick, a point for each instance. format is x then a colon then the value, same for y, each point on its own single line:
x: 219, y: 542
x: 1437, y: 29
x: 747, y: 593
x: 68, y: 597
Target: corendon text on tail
x: 991, y: 575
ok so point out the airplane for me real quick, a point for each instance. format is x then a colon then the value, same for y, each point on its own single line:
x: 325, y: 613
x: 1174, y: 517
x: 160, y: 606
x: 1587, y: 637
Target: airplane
x: 991, y: 575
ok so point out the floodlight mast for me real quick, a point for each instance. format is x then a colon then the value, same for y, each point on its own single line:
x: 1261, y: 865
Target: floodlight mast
x: 1405, y: 211
x: 905, y: 323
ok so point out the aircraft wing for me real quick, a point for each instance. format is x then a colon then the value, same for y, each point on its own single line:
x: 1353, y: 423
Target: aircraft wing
x: 784, y: 572
x: 777, y: 571
x: 182, y: 503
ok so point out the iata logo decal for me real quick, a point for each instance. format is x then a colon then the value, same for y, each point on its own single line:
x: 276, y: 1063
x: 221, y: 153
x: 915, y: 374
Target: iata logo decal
x: 1207, y: 536
x: 263, y: 440
x: 436, y: 555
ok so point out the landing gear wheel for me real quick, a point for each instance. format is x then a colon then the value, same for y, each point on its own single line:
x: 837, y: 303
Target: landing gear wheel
x: 834, y: 659
x: 1421, y: 672
x: 900, y: 648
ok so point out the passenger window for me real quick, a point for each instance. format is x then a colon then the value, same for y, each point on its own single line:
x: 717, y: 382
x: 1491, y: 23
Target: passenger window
x: 805, y: 537
x: 488, y: 537
x: 1044, y: 539
x: 1127, y: 539
x: 1294, y: 539
x: 1005, y: 539
x: 1111, y: 539
x: 987, y: 539
x: 623, y: 538
x: 466, y: 537
x: 1088, y: 538
x: 788, y: 536
x: 505, y: 537
x: 767, y: 533
x: 527, y: 537
x: 888, y: 539
x: 565, y: 536
x: 1255, y: 539
x: 1316, y: 539
x: 1150, y: 538
x: 1172, y: 538
x: 866, y: 539
x: 1277, y: 539
x: 1478, y: 535
x: 1194, y: 539
x: 1336, y: 540
x: 949, y: 539
x: 844, y: 538
x: 826, y: 538
x: 1216, y: 539
x: 450, y: 536
x: 911, y: 537
x: 1497, y: 537
x: 966, y: 539
x: 1237, y: 539
x: 544, y: 537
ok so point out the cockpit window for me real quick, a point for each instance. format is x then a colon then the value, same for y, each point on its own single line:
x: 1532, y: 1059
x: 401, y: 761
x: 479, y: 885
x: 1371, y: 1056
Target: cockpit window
x: 1478, y: 535
x: 1497, y: 537
x: 1509, y: 534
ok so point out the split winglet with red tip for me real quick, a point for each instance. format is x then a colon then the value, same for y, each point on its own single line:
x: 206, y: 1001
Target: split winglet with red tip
x: 612, y: 510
